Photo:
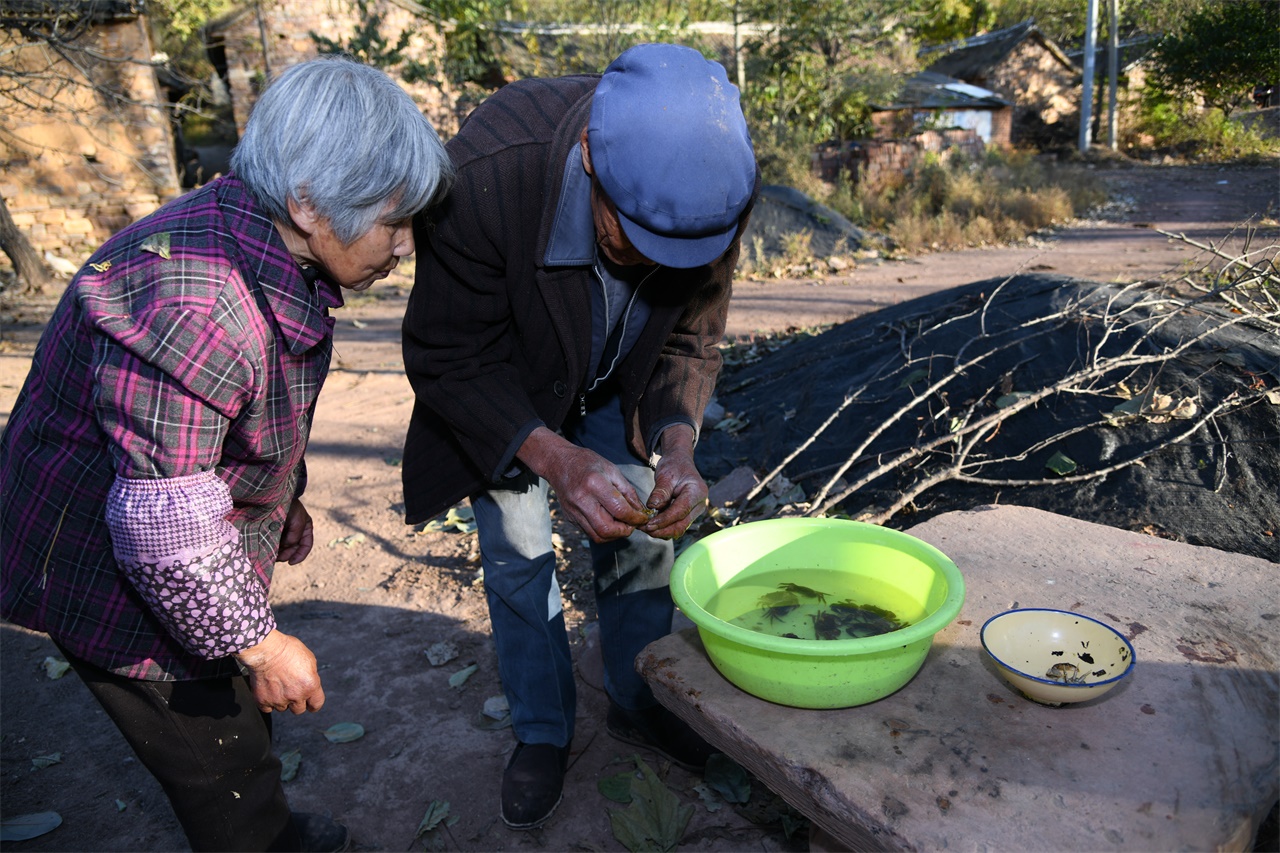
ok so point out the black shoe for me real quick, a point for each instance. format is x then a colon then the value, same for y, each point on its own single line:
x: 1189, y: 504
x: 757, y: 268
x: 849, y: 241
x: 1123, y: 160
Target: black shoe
x: 533, y: 784
x: 319, y: 834
x: 663, y: 732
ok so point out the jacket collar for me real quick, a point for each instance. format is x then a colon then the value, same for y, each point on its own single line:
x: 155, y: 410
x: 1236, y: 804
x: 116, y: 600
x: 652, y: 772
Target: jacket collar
x: 301, y: 309
x: 573, y: 231
x: 563, y: 143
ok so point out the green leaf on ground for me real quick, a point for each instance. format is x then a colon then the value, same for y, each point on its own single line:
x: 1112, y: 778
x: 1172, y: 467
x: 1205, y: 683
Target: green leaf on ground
x: 913, y: 377
x: 24, y: 826
x: 710, y: 799
x: 617, y: 787
x: 496, y: 714
x: 1004, y: 401
x: 727, y: 778
x: 289, y: 763
x: 55, y: 667
x: 121, y: 805
x: 441, y: 653
x: 1061, y: 464
x: 344, y: 732
x: 460, y: 677
x: 437, y: 811
x: 655, y: 820
x: 40, y: 762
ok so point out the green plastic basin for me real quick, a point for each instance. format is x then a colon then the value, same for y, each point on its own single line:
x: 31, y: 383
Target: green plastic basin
x: 887, y: 568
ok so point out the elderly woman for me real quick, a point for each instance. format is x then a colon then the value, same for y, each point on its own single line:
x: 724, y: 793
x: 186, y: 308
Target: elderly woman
x: 152, y: 468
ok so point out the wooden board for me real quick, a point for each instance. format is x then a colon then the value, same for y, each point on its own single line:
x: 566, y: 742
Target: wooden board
x: 1183, y: 755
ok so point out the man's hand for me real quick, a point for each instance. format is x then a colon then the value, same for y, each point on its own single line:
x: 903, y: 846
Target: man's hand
x: 283, y: 674
x: 591, y: 489
x: 679, y: 492
x: 297, y: 537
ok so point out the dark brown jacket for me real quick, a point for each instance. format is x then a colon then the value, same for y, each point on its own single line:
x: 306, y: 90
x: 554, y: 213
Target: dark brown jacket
x: 496, y: 343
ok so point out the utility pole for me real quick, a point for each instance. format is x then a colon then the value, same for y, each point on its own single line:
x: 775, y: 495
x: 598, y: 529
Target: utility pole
x: 1086, y: 97
x: 739, y: 69
x: 1113, y: 69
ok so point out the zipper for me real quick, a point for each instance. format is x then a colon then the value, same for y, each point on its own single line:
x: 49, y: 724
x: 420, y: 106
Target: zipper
x: 622, y: 334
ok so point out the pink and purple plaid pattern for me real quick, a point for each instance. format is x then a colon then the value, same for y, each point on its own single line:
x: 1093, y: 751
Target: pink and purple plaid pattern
x: 202, y: 359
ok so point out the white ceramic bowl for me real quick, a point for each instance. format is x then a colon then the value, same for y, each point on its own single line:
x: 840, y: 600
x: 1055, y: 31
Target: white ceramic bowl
x: 1055, y: 656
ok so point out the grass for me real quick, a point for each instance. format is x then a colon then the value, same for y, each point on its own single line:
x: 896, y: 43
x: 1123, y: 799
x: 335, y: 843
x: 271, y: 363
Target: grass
x: 950, y: 203
x: 960, y: 203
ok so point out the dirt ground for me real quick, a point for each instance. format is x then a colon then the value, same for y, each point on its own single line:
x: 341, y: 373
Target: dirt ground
x: 376, y: 595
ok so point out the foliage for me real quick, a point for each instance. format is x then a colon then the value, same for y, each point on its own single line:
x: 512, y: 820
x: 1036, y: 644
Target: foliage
x: 184, y: 18
x: 370, y: 46
x: 1222, y: 51
x: 819, y: 65
x: 584, y: 36
x: 1064, y: 21
x: 950, y: 20
x: 468, y: 27
x: 1170, y: 125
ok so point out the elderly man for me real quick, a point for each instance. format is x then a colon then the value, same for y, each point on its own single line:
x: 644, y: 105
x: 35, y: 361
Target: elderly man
x: 152, y: 469
x: 562, y: 335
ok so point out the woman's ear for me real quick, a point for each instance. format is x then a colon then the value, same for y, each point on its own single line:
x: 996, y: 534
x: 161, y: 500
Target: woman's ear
x: 303, y: 215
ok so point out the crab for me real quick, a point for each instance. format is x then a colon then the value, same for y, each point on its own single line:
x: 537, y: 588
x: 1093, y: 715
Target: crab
x: 1067, y: 673
x: 796, y: 589
x: 776, y: 605
x: 826, y: 626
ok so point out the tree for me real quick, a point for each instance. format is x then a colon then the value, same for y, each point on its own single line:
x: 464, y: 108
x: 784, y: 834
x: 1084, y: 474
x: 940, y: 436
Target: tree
x: 822, y: 62
x: 949, y: 20
x: 1222, y: 51
x: 369, y: 45
x: 31, y: 270
x: 1064, y: 20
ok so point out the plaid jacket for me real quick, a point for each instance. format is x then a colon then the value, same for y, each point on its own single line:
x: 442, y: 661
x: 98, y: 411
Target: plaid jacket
x: 190, y: 342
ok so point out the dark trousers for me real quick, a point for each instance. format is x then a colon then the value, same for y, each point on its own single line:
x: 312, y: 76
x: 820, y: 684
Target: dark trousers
x: 209, y: 746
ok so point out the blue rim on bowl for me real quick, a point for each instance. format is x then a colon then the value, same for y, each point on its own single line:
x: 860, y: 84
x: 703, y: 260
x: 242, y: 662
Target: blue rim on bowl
x: 982, y: 636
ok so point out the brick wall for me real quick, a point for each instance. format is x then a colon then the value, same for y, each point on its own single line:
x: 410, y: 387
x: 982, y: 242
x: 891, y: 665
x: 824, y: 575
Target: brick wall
x: 77, y: 173
x: 73, y: 178
x: 873, y: 163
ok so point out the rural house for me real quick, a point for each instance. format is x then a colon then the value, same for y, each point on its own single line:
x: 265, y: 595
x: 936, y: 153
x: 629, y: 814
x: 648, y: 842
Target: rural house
x: 1026, y: 68
x: 931, y: 114
x: 106, y: 152
x: 85, y: 149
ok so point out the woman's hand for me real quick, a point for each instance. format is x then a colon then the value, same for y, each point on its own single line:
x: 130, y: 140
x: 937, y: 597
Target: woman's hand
x: 297, y: 537
x: 283, y: 674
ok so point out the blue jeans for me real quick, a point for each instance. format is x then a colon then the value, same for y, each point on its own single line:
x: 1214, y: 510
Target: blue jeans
x: 633, y: 597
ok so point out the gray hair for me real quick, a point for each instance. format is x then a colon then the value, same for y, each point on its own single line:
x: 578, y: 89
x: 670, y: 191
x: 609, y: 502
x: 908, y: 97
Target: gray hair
x: 345, y: 139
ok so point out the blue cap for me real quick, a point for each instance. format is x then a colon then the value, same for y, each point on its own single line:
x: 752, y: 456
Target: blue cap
x: 670, y: 148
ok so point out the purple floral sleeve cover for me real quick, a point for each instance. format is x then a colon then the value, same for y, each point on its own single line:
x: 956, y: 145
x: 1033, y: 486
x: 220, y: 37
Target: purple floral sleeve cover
x: 173, y: 542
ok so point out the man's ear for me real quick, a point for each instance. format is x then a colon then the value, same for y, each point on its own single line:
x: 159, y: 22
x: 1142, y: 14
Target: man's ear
x: 303, y: 215
x: 586, y: 153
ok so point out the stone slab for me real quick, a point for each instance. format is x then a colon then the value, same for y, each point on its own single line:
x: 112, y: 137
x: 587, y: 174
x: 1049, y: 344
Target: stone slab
x: 1183, y: 755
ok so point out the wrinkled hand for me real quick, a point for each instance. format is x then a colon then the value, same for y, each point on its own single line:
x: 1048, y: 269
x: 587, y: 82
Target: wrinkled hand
x: 679, y: 492
x: 298, y: 535
x: 283, y: 674
x: 591, y: 490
